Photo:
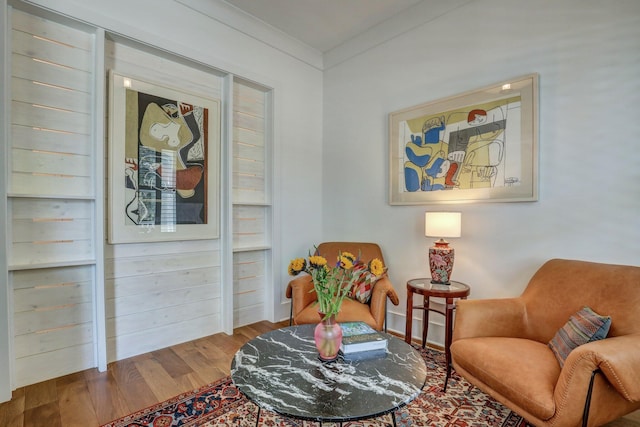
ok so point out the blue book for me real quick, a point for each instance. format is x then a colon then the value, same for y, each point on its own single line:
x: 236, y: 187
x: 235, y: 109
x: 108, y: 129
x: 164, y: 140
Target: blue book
x: 358, y: 337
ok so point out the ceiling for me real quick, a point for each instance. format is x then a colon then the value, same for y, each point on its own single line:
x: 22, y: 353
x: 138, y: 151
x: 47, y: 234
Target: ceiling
x: 323, y: 24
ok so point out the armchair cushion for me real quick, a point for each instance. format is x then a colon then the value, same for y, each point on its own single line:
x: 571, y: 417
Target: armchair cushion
x: 363, y: 284
x: 583, y: 327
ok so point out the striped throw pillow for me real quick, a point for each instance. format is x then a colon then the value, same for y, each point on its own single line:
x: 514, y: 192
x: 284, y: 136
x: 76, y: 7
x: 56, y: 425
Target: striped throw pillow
x: 583, y: 327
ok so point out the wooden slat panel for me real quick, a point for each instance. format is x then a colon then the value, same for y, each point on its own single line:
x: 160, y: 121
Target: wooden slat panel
x: 161, y: 282
x: 246, y: 98
x: 131, y: 323
x: 160, y: 300
x: 212, y: 247
x: 27, y: 115
x: 250, y: 298
x: 249, y: 151
x: 246, y: 121
x: 247, y: 269
x: 42, y: 209
x: 51, y: 276
x: 26, y: 322
x: 29, y: 161
x: 22, y: 183
x: 55, y: 339
x: 249, y: 284
x: 25, y: 254
x: 249, y: 167
x: 50, y: 96
x: 38, y: 26
x: 38, y: 298
x: 38, y: 139
x: 250, y: 183
x: 248, y: 136
x: 152, y: 339
x: 65, y: 55
x: 46, y: 72
x: 136, y: 266
x: 46, y: 231
x: 247, y: 315
x: 249, y: 226
x: 247, y: 240
x: 129, y: 62
x: 44, y: 366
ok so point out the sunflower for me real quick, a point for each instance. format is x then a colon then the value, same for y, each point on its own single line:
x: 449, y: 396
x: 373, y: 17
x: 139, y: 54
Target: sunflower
x: 376, y: 267
x: 296, y: 266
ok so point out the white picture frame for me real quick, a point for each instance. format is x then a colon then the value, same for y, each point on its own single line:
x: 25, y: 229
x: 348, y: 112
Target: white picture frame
x: 164, y: 162
x: 478, y: 146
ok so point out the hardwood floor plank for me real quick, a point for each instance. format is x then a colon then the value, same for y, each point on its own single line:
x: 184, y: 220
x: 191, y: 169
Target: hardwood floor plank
x: 75, y: 405
x: 199, y: 362
x: 46, y: 415
x: 128, y: 385
x: 133, y: 387
x: 12, y: 412
x: 160, y: 382
x: 172, y: 363
x: 106, y: 398
x: 40, y: 394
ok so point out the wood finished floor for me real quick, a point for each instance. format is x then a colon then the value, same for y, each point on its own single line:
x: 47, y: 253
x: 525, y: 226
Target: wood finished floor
x: 91, y: 398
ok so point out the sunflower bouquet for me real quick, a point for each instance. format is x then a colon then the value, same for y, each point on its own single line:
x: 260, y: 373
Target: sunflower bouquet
x: 333, y: 283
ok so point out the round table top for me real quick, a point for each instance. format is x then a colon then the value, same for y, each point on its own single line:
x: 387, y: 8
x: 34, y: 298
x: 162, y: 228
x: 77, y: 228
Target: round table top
x: 280, y: 371
x: 424, y: 286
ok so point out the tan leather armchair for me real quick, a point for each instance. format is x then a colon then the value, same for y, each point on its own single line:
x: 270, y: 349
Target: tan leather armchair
x: 500, y: 345
x: 303, y: 307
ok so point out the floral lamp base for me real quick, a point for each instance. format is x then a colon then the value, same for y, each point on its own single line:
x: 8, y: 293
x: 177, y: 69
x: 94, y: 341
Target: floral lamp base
x: 441, y: 262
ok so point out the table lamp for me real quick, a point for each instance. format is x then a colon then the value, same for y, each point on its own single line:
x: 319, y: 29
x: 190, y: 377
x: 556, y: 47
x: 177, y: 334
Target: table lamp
x: 442, y: 224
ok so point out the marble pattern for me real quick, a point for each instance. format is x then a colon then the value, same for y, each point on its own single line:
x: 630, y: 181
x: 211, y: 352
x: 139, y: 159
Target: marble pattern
x: 280, y: 371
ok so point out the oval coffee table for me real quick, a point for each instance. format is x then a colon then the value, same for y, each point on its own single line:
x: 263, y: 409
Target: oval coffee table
x: 280, y: 371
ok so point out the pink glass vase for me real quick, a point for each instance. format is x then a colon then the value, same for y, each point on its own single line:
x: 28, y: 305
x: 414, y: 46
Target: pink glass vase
x: 328, y: 338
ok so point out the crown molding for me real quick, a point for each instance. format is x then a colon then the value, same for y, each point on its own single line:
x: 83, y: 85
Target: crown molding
x: 257, y: 29
x: 404, y: 22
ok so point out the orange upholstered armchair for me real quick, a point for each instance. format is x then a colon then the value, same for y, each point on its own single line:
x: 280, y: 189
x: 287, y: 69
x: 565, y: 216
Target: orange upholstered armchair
x: 502, y: 345
x: 300, y: 290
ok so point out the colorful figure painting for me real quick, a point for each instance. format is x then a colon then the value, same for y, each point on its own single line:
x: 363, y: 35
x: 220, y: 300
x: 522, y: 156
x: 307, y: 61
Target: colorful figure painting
x: 465, y: 148
x: 165, y: 162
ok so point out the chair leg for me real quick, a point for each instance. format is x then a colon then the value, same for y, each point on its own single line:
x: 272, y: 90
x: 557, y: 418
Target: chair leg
x: 291, y: 313
x: 385, y: 315
x: 587, y: 403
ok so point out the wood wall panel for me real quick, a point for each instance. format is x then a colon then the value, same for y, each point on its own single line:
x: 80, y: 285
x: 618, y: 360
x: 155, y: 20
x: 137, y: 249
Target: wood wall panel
x: 162, y: 293
x: 53, y: 322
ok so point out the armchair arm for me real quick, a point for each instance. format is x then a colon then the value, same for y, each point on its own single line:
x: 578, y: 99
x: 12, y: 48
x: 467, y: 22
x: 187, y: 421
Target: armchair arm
x: 617, y: 357
x: 381, y: 290
x: 299, y: 290
x: 503, y: 317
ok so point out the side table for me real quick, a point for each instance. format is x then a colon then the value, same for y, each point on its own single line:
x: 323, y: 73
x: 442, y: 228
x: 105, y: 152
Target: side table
x: 424, y: 287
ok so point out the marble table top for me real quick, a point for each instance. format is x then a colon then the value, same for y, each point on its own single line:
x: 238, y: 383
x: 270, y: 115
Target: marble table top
x: 280, y: 371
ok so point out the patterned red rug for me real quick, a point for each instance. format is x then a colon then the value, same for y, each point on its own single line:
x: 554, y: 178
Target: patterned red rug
x: 222, y: 404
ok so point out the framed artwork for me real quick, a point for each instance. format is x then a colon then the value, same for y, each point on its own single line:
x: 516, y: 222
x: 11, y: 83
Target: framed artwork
x: 164, y: 163
x: 478, y: 146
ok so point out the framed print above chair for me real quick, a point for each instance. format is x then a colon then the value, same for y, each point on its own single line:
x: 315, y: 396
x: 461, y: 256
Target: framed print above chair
x: 477, y: 146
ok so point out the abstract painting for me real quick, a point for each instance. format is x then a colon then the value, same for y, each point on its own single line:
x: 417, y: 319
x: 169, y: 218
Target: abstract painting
x: 477, y: 146
x: 164, y: 163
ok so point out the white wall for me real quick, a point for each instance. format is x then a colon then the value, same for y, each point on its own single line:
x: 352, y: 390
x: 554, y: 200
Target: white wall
x: 587, y: 56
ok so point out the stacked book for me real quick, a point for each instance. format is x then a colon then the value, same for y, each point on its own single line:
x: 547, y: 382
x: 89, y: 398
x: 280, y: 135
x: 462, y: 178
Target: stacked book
x: 361, y: 340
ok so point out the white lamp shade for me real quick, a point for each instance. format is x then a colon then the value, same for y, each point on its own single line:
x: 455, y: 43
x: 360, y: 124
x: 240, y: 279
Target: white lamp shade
x: 442, y: 224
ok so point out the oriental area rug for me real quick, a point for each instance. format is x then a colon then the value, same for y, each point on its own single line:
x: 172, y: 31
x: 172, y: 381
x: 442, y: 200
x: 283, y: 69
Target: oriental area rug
x: 222, y: 404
